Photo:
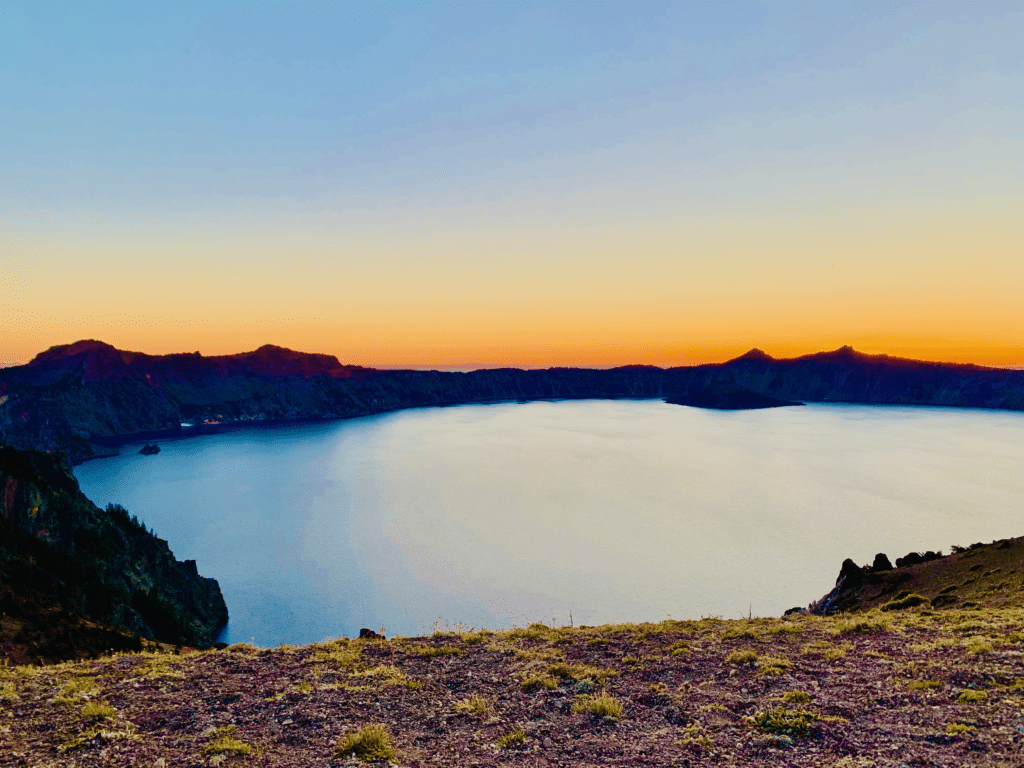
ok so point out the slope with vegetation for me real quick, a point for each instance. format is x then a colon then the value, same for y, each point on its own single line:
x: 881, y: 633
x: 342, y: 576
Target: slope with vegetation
x: 78, y: 580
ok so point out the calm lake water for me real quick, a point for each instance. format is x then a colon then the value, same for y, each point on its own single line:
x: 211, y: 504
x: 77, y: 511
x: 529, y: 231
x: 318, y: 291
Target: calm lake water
x: 501, y: 515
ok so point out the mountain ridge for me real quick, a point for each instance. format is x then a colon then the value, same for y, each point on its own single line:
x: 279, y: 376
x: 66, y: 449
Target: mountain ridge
x: 76, y: 397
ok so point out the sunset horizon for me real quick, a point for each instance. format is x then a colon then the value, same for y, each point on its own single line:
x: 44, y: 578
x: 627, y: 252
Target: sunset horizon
x: 531, y: 185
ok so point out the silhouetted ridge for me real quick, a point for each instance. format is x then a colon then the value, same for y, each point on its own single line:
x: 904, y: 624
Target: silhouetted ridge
x: 754, y: 354
x: 82, y: 396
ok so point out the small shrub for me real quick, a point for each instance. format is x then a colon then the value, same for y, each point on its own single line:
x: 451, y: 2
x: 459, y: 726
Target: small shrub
x: 473, y: 638
x: 476, y: 705
x: 972, y: 697
x: 370, y: 744
x: 514, y: 739
x: 598, y: 641
x: 741, y: 657
x: 796, y: 697
x: 958, y: 729
x: 222, y: 742
x: 907, y: 601
x: 8, y: 691
x: 604, y: 706
x: 98, y: 709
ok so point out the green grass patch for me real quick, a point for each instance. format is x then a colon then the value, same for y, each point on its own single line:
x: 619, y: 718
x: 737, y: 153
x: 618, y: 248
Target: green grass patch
x: 535, y: 682
x: 222, y: 742
x: 581, y: 672
x: 741, y: 657
x: 604, y: 706
x: 514, y: 739
x: 477, y: 705
x: 772, y: 666
x: 679, y: 647
x: 782, y: 721
x: 978, y: 646
x: 433, y: 651
x: 972, y: 697
x: 369, y: 745
x: 796, y: 697
x: 99, y: 709
x: 923, y: 685
x: 906, y: 600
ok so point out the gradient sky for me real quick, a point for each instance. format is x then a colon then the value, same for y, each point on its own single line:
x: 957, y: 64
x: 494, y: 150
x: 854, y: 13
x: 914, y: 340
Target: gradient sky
x: 513, y: 183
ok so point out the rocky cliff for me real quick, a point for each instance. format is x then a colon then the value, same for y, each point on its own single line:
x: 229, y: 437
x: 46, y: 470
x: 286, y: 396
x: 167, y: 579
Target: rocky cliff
x: 75, y: 397
x: 58, y: 549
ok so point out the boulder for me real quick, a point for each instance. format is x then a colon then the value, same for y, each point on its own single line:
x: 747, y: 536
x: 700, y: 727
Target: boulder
x: 881, y: 563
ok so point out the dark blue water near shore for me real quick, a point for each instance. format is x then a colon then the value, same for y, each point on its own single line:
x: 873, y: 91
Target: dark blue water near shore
x: 606, y: 510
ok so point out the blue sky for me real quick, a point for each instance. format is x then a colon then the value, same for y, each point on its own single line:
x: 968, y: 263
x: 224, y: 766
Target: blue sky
x: 269, y: 134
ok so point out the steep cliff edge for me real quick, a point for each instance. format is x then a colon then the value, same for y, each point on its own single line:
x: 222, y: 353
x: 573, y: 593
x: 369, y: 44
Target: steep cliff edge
x: 77, y: 397
x: 58, y: 549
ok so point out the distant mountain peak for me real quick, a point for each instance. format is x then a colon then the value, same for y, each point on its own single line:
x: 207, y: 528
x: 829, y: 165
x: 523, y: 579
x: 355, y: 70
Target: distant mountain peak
x: 64, y: 351
x: 754, y: 354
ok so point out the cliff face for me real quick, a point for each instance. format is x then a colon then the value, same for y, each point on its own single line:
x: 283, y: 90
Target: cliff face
x: 58, y: 547
x: 69, y: 397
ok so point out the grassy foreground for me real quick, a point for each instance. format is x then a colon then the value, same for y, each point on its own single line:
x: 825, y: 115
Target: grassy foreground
x: 903, y: 687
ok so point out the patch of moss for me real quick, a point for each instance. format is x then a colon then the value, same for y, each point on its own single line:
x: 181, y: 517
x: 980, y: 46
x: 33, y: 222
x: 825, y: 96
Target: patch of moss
x: 972, y: 697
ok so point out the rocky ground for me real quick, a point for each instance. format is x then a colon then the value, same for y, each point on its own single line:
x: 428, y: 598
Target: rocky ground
x: 913, y: 687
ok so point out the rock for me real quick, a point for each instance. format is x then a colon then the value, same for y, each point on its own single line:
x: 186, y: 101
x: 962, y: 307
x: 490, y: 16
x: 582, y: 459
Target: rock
x: 850, y: 575
x: 881, y: 563
x: 369, y: 634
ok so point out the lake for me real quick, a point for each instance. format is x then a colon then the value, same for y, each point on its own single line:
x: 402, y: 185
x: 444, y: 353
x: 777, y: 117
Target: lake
x: 585, y: 511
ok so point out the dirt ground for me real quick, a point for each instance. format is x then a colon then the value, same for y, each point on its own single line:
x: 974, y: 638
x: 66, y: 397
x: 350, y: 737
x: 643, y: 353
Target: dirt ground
x: 916, y: 687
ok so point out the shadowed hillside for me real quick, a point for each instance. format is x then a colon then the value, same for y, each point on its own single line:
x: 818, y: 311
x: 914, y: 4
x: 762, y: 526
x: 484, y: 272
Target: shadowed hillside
x: 67, y: 567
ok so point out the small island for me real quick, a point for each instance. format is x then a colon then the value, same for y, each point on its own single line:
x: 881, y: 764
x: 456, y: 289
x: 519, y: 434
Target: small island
x: 149, y: 450
x: 728, y: 396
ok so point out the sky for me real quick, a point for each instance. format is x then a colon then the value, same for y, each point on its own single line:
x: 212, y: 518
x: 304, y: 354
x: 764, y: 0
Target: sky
x: 463, y: 185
